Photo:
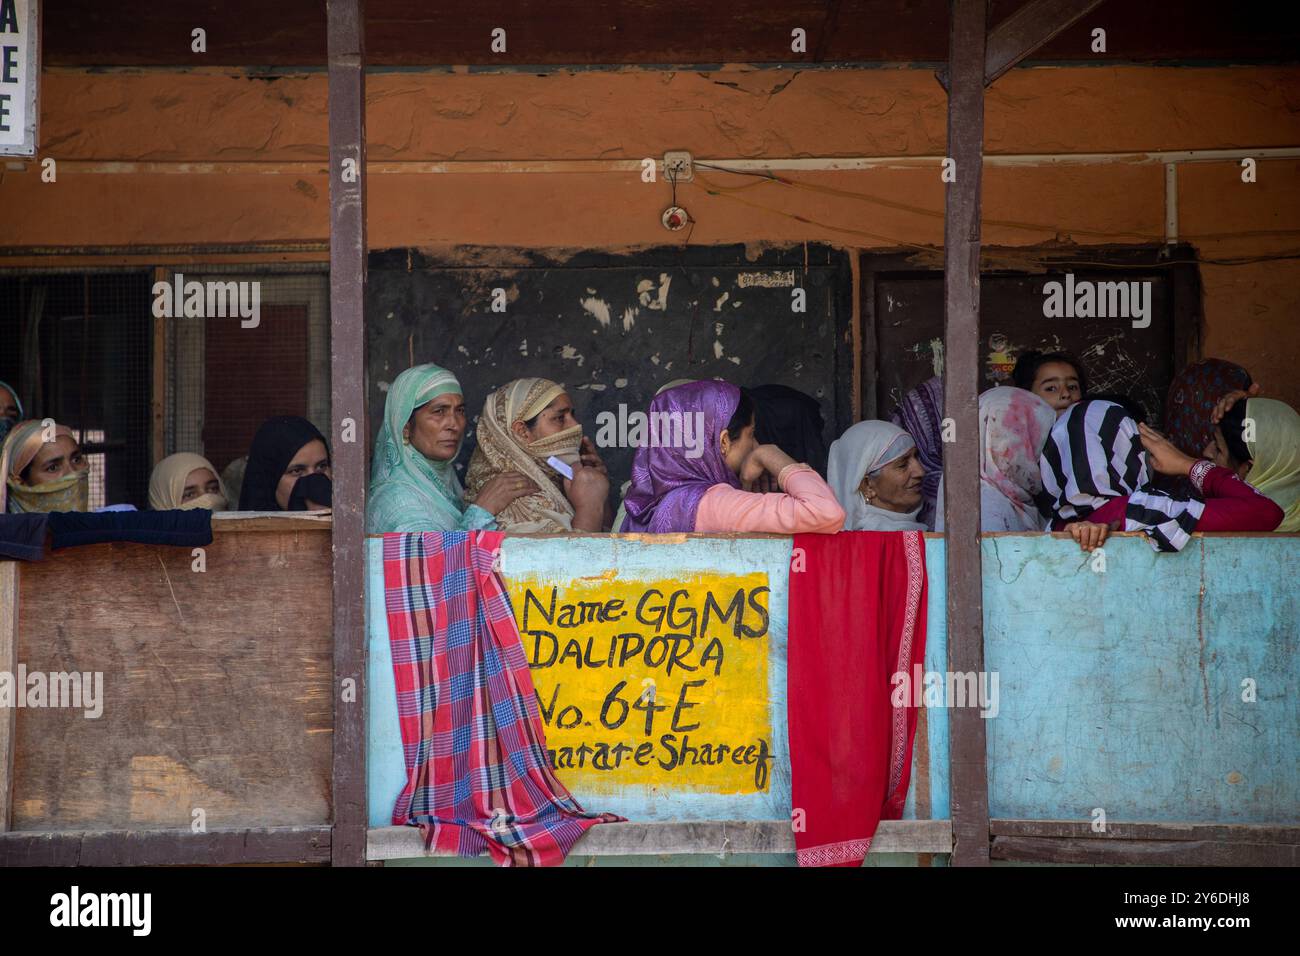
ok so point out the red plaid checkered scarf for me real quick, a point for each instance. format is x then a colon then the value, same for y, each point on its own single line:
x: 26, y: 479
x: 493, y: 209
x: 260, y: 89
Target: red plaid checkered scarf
x: 478, y: 776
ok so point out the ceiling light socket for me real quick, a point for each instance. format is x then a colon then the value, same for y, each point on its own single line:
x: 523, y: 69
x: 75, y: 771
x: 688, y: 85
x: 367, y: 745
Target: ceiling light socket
x: 678, y: 166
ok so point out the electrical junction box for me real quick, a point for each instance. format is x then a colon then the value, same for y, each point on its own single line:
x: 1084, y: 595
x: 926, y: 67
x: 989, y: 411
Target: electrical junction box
x: 678, y: 166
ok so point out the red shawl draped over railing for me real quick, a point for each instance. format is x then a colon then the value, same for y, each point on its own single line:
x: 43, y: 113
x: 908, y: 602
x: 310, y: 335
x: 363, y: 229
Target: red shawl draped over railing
x: 857, y: 618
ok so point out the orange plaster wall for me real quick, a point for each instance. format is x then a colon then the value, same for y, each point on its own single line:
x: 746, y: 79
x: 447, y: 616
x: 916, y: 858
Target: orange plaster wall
x: 1252, y: 309
x: 271, y: 136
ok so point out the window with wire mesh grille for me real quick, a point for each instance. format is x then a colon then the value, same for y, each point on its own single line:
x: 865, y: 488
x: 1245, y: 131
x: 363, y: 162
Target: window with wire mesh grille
x: 84, y: 347
x: 82, y: 355
x: 224, y: 379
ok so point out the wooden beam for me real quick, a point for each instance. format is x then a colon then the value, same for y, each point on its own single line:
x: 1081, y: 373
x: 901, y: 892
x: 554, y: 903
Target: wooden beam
x: 1175, y: 844
x: 965, y: 604
x: 347, y: 98
x: 1020, y: 34
x: 1186, y: 832
x: 9, y: 571
x: 238, y: 521
x: 829, y: 27
x: 1027, y: 29
x: 165, y: 847
x: 1148, y: 852
x: 711, y: 838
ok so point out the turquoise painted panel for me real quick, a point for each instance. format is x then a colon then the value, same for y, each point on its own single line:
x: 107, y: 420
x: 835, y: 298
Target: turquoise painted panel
x: 1119, y: 689
x: 936, y: 661
x: 588, y: 556
x: 1123, y: 690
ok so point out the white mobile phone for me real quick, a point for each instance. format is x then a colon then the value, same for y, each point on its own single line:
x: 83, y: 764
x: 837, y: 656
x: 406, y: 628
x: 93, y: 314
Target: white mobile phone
x: 561, y: 467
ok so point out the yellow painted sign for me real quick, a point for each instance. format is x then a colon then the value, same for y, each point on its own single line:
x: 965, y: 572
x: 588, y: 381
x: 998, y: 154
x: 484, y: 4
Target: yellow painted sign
x: 658, y: 683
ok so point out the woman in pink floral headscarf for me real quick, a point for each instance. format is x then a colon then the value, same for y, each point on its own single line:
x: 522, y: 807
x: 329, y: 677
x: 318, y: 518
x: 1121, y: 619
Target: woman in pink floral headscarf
x: 1014, y: 426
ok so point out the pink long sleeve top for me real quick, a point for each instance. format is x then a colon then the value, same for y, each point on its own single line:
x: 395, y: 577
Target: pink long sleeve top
x: 806, y: 504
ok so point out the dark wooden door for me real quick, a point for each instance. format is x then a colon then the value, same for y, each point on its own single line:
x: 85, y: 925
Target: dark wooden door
x: 906, y: 310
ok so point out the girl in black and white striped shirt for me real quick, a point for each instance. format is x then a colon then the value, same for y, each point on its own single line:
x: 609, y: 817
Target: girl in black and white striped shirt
x: 1096, y: 480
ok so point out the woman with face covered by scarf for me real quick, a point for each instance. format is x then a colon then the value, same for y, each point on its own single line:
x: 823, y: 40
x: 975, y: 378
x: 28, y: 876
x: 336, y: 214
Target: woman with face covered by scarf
x: 524, y: 423
x: 288, y: 468
x: 184, y: 481
x: 44, y: 470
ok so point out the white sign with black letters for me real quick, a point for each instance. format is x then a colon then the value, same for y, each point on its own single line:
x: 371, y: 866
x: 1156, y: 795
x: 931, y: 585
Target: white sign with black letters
x: 20, y: 73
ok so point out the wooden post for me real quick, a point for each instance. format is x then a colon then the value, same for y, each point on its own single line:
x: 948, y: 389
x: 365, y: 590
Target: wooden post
x: 8, y: 664
x: 970, y: 802
x: 158, y: 399
x: 347, y: 98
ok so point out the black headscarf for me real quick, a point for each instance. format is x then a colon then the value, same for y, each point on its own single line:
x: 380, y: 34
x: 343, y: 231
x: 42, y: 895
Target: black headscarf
x: 792, y: 421
x: 315, y: 489
x: 274, y: 446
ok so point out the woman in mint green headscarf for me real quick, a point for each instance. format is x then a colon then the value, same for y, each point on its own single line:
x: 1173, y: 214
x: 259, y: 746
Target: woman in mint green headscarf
x: 413, y: 482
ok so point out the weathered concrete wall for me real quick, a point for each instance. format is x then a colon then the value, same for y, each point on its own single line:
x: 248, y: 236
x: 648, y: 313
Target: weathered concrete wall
x: 268, y: 138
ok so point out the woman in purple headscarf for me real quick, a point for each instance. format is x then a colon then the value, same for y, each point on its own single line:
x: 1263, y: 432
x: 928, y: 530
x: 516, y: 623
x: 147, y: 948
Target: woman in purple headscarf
x: 699, y: 454
x: 920, y: 414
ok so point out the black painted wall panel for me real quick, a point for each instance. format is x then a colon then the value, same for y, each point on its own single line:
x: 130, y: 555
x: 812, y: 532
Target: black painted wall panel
x: 613, y: 328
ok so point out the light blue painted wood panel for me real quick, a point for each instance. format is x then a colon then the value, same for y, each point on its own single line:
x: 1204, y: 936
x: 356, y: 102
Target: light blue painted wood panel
x: 936, y: 660
x: 1123, y: 690
x: 1119, y: 690
x: 558, y: 557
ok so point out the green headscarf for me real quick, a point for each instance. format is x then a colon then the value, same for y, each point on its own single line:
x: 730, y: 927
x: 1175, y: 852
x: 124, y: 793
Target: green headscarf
x: 1275, y: 451
x: 407, y: 490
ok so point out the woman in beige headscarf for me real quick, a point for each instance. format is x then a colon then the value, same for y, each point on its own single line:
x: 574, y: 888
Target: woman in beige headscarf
x: 43, y: 469
x: 184, y: 481
x: 524, y: 423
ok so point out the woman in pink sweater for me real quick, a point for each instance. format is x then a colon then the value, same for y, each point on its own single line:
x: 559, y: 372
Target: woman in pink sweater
x: 701, y: 454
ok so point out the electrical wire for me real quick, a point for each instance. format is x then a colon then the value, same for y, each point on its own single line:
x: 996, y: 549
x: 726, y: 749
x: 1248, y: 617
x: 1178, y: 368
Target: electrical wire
x: 921, y: 210
x: 764, y: 177
x: 890, y: 240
